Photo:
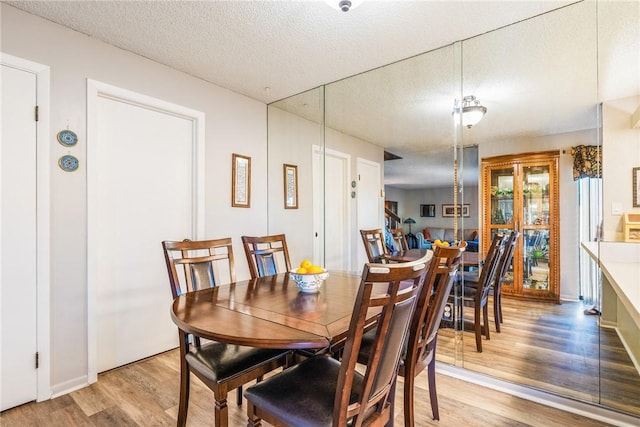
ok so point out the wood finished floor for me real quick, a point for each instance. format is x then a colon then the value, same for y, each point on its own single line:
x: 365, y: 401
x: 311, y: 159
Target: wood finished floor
x: 146, y: 393
x: 556, y: 348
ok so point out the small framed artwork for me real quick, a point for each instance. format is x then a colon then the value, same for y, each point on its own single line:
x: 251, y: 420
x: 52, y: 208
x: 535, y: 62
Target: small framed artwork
x: 428, y: 210
x: 451, y: 211
x: 636, y: 187
x: 241, y: 181
x: 290, y: 186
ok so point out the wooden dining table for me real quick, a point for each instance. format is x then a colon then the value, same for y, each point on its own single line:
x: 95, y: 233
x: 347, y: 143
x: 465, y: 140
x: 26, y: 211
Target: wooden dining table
x: 469, y: 259
x: 271, y: 312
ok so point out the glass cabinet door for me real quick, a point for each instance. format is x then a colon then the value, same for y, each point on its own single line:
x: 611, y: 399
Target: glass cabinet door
x: 535, y: 227
x: 502, y: 196
x: 502, y: 180
x: 521, y: 193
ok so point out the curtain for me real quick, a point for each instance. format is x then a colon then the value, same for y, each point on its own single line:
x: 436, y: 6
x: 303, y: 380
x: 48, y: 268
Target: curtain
x: 587, y: 162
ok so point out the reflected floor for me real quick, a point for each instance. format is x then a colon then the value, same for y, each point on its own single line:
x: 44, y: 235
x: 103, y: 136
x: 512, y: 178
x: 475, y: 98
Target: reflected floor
x: 552, y: 347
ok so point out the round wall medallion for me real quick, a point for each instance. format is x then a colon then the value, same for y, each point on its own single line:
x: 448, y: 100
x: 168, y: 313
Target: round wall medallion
x: 68, y: 163
x: 67, y: 138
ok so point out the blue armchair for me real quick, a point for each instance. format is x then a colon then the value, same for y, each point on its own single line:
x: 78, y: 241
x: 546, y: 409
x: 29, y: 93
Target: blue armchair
x: 422, y: 242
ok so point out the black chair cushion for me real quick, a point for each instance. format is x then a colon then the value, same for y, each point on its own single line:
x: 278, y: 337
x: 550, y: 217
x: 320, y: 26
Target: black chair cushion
x: 219, y: 361
x: 304, y: 394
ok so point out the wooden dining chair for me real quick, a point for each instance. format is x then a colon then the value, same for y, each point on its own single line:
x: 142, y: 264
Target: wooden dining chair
x: 420, y: 348
x: 266, y: 255
x: 471, y: 278
x: 322, y: 391
x: 194, y: 265
x: 374, y: 245
x: 478, y: 296
x: 399, y: 239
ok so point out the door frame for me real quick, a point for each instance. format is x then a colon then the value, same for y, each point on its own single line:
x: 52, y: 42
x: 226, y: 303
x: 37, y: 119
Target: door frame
x: 360, y: 162
x: 43, y: 208
x: 319, y: 155
x: 96, y: 90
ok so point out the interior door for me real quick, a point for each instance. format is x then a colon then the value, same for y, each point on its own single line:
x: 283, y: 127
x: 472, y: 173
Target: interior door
x: 142, y: 191
x: 18, y: 285
x: 337, y: 178
x: 370, y: 212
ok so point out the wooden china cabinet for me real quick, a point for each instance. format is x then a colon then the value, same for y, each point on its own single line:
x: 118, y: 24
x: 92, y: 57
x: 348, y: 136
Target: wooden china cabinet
x: 521, y: 192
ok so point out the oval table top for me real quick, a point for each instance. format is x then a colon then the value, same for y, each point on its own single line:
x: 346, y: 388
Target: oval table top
x: 270, y: 312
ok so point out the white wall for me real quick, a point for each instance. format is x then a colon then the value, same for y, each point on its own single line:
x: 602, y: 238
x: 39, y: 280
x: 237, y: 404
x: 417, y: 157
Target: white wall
x: 290, y: 140
x: 621, y: 153
x: 234, y: 123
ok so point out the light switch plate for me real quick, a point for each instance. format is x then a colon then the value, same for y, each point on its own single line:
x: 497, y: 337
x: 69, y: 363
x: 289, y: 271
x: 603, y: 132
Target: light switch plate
x: 616, y: 208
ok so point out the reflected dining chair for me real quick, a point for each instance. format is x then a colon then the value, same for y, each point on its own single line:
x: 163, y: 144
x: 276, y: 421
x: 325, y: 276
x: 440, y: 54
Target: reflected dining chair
x: 194, y: 265
x: 374, y: 245
x: 471, y: 279
x: 266, y: 255
x: 399, y: 239
x: 420, y: 348
x: 322, y: 391
x: 477, y: 295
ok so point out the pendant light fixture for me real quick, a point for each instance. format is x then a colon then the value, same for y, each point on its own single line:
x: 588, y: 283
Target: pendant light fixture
x: 472, y: 111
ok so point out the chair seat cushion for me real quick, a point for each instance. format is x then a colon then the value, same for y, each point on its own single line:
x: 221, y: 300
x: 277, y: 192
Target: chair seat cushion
x: 219, y: 361
x: 304, y: 394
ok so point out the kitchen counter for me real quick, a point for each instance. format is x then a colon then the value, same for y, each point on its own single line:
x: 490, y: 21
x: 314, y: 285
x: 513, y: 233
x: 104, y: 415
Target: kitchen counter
x: 620, y: 266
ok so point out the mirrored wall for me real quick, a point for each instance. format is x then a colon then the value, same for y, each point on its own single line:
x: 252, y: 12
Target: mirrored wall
x: 390, y: 136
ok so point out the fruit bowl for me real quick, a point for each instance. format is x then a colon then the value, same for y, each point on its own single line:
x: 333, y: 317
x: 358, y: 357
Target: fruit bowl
x: 310, y: 282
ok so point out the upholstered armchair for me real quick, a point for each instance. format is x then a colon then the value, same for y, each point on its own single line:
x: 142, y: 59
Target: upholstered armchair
x: 422, y: 242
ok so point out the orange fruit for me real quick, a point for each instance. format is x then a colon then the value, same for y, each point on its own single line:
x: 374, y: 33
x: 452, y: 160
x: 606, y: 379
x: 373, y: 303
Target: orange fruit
x: 315, y: 269
x: 301, y: 270
x: 306, y: 264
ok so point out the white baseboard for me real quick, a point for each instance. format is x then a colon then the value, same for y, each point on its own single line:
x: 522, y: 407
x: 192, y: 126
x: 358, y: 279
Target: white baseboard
x: 627, y: 348
x: 566, y: 404
x: 69, y: 386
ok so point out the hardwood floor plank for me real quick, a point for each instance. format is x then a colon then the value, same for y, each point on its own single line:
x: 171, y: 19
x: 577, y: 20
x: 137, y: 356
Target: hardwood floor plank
x: 529, y: 351
x: 92, y: 399
x: 551, y: 347
x: 112, y: 417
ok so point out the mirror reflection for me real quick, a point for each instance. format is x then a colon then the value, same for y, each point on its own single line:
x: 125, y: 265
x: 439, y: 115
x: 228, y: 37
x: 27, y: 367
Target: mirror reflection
x: 393, y: 128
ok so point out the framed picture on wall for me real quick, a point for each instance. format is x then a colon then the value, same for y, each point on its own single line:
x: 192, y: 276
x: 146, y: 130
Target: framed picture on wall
x: 451, y: 211
x: 636, y: 187
x: 428, y: 211
x: 290, y: 186
x: 241, y: 181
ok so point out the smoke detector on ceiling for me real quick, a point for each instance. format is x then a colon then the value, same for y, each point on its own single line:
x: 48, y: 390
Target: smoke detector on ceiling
x: 344, y: 5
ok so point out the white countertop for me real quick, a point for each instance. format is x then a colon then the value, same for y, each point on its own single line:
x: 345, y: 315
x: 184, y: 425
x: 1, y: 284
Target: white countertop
x: 620, y: 263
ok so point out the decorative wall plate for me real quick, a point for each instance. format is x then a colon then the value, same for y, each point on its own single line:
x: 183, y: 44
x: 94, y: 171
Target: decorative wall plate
x: 68, y: 163
x: 67, y: 138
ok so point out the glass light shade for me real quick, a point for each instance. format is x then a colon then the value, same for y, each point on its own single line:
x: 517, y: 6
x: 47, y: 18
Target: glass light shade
x: 472, y: 111
x: 472, y: 115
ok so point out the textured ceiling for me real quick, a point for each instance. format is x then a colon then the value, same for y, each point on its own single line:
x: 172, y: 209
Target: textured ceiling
x: 286, y: 46
x: 536, y: 78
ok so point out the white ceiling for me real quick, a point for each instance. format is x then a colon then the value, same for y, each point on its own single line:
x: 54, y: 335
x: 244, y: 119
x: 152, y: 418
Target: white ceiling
x: 286, y: 46
x: 544, y: 81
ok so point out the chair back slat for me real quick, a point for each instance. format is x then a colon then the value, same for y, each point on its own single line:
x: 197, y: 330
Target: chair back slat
x: 433, y: 298
x: 490, y: 267
x: 399, y: 239
x: 194, y: 265
x: 393, y: 289
x: 507, y: 257
x: 374, y: 245
x: 266, y: 255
